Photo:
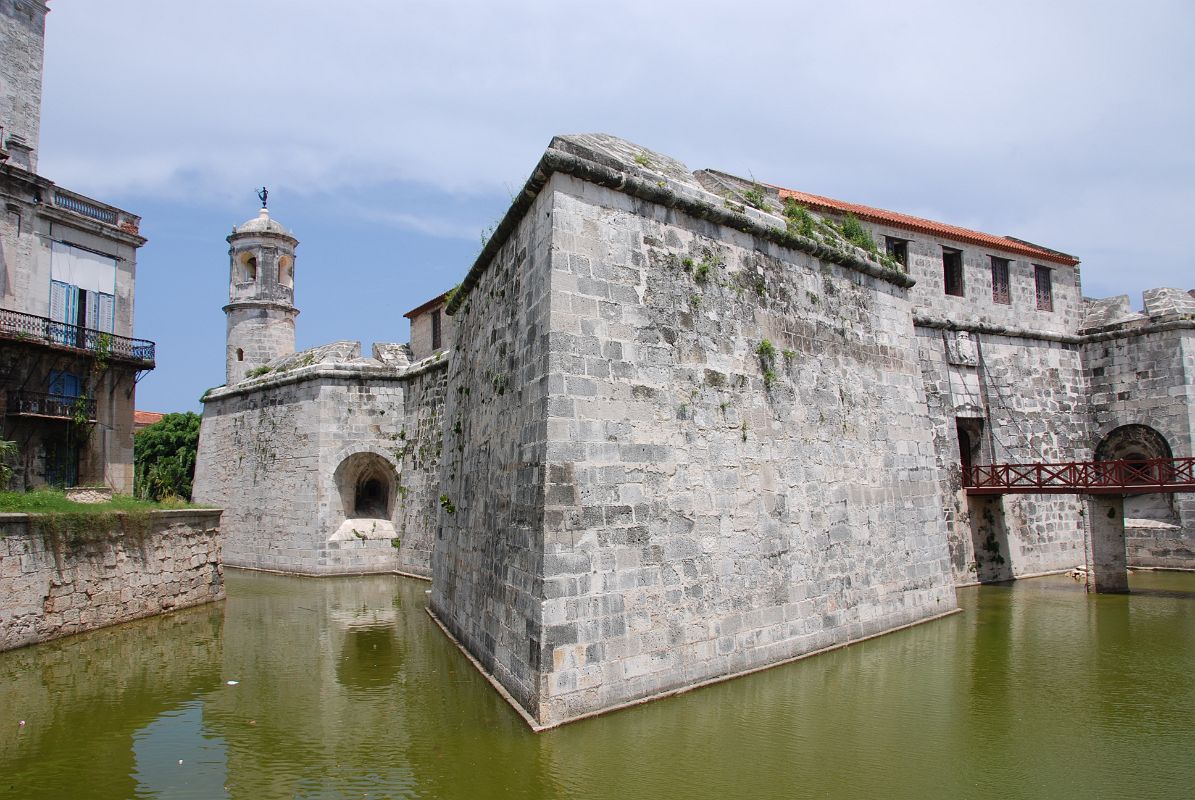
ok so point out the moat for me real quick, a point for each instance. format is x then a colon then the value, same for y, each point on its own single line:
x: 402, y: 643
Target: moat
x: 343, y: 687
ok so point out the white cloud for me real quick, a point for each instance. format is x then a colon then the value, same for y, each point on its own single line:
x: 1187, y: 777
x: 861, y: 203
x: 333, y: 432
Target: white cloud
x: 1053, y: 118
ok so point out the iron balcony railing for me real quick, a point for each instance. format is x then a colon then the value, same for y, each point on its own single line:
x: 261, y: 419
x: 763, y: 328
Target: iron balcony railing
x: 42, y: 404
x: 27, y: 327
x: 1144, y: 476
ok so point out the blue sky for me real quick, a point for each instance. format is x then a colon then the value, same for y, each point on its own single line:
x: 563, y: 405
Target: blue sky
x: 392, y: 133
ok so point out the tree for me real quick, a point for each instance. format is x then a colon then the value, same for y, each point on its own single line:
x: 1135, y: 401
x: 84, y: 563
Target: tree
x: 164, y: 456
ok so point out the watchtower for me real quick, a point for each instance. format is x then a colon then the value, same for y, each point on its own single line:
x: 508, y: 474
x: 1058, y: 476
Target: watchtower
x: 261, y: 295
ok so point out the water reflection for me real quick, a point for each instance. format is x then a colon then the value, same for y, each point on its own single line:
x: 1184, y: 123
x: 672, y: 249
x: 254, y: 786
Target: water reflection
x: 83, y: 698
x: 344, y: 688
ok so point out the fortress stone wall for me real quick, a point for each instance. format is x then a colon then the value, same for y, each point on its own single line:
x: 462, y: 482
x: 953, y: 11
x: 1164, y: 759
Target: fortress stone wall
x: 684, y: 428
x: 709, y: 506
x: 289, y: 453
x: 1142, y: 373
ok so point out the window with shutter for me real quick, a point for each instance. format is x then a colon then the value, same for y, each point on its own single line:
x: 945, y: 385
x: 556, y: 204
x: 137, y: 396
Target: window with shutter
x: 101, y: 310
x: 64, y: 311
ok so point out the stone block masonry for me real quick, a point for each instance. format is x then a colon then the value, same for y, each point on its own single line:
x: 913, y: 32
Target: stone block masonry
x: 712, y: 454
x: 55, y: 584
x: 292, y: 455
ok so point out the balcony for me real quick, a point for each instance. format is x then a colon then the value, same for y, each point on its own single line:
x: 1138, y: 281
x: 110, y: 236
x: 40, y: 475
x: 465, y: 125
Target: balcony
x: 42, y: 330
x: 101, y: 212
x: 50, y: 406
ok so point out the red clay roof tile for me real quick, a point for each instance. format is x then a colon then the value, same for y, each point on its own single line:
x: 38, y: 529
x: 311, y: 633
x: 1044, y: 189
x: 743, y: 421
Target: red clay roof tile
x: 878, y: 215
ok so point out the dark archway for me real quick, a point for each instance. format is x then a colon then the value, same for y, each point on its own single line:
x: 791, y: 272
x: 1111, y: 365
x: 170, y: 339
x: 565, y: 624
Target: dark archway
x: 370, y: 499
x: 1133, y: 443
x: 1138, y: 444
x: 367, y: 483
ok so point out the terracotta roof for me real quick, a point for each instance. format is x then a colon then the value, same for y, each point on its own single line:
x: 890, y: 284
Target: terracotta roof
x: 142, y: 418
x: 430, y: 304
x: 818, y: 203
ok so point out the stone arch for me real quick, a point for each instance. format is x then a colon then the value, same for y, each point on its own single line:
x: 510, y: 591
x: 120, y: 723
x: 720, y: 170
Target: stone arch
x: 367, y: 484
x: 1140, y: 443
x: 286, y: 272
x: 1133, y: 443
x: 247, y: 267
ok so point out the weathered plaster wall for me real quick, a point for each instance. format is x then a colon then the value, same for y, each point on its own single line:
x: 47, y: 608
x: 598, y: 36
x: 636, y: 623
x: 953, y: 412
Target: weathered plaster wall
x: 22, y: 42
x: 105, y: 446
x: 1030, y: 396
x: 55, y: 586
x: 421, y: 333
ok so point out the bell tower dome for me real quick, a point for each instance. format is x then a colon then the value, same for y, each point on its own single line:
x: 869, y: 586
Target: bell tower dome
x: 261, y: 295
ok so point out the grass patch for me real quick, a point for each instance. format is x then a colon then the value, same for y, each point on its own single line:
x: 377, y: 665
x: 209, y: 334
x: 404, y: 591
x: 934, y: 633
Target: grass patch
x: 49, y: 501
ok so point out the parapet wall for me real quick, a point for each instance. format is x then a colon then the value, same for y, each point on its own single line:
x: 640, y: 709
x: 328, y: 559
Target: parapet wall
x: 58, y: 583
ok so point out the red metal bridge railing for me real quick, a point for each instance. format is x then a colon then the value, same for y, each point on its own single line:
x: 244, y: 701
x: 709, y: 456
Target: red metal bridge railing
x: 1083, y: 477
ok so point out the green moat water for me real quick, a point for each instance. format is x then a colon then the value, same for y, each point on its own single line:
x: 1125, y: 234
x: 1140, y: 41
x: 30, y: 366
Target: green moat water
x: 345, y: 688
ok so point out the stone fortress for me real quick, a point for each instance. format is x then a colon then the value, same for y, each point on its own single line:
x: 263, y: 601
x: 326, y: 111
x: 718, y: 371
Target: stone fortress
x: 677, y: 426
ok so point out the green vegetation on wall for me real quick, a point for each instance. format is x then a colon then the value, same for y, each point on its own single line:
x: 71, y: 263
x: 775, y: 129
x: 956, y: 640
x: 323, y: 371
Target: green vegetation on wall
x: 164, y: 457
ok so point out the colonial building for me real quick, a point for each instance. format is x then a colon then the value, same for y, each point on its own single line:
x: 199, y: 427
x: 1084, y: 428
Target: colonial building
x: 68, y: 362
x: 687, y: 425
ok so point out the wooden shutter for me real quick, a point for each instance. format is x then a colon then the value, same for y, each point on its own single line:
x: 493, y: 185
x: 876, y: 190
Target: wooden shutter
x: 101, y: 310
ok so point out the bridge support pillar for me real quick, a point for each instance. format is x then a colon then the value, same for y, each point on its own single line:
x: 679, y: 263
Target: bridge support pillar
x: 1106, y: 559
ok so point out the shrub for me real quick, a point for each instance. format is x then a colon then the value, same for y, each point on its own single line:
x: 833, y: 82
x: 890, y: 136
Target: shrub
x: 164, y: 457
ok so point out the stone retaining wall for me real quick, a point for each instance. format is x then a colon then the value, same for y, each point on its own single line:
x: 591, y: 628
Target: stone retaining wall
x: 56, y: 584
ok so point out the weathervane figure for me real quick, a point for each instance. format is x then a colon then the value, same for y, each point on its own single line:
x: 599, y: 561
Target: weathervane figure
x: 263, y: 195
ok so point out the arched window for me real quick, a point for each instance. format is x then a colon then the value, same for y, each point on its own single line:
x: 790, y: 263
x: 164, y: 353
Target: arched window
x: 286, y: 272
x: 240, y: 354
x: 248, y: 268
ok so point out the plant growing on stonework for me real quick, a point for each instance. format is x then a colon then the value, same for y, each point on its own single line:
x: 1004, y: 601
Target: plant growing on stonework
x: 257, y: 371
x: 642, y: 160
x: 798, y: 219
x: 9, y: 453
x: 854, y: 232
x: 754, y: 197
x: 767, y: 357
x: 447, y: 505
